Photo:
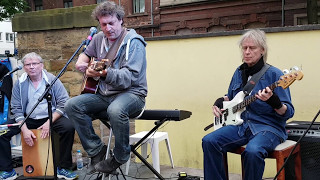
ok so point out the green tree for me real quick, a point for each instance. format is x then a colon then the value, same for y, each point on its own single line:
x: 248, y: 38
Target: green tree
x: 10, y: 7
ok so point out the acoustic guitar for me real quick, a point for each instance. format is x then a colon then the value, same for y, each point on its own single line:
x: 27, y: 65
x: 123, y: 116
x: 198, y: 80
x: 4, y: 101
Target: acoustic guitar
x: 90, y: 84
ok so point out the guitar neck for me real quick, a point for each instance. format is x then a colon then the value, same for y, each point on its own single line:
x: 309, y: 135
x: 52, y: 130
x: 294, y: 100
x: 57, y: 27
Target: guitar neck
x: 250, y: 99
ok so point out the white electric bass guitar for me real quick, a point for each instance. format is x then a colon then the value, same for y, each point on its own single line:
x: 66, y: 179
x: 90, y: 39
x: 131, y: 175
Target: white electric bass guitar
x: 233, y: 109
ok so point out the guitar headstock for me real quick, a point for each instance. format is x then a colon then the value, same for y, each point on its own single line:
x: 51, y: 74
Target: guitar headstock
x: 287, y: 79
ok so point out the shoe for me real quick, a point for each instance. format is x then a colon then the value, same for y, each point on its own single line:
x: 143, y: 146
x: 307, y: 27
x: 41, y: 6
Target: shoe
x: 107, y: 166
x: 66, y: 174
x: 97, y: 158
x: 4, y: 175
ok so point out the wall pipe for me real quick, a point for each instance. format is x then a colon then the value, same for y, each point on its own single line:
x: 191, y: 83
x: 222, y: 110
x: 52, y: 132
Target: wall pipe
x: 282, y: 13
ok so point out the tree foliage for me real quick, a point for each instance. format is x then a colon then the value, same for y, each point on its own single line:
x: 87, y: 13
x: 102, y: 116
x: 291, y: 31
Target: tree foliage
x: 10, y: 7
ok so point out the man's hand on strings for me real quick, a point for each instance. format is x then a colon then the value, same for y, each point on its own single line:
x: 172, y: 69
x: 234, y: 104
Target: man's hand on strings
x: 264, y: 94
x: 218, y: 105
x: 90, y: 72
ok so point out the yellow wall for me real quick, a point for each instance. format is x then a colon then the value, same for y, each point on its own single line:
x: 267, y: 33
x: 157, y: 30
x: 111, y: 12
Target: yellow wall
x: 189, y: 74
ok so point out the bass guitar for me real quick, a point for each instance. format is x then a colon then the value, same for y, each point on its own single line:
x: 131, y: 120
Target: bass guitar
x: 90, y: 84
x: 233, y: 109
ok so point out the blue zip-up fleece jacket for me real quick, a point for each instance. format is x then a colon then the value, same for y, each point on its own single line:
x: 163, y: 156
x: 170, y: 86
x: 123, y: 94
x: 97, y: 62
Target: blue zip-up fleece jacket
x: 128, y: 72
x: 19, y: 98
x: 259, y: 115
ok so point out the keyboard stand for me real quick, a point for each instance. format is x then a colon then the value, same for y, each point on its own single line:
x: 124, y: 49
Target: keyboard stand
x: 134, y: 148
x: 161, y: 116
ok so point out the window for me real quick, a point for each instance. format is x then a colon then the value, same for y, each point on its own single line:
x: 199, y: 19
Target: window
x: 100, y: 1
x: 9, y: 37
x: 138, y: 6
x: 38, y: 5
x: 302, y: 19
x: 67, y: 3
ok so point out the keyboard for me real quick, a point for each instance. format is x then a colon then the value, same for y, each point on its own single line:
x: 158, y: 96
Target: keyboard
x: 172, y: 115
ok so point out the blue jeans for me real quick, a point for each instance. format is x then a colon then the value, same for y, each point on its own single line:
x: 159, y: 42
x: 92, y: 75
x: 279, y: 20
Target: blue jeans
x: 217, y: 143
x: 117, y: 109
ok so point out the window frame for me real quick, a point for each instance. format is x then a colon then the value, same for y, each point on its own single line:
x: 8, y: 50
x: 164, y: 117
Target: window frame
x: 67, y: 3
x: 9, y: 37
x: 138, y: 10
x: 38, y: 5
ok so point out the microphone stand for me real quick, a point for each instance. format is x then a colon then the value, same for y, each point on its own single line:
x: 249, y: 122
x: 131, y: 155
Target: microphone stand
x: 48, y: 97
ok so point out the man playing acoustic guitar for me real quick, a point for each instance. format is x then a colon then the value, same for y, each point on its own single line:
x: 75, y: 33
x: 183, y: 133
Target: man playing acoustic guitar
x: 121, y: 91
x: 264, y: 120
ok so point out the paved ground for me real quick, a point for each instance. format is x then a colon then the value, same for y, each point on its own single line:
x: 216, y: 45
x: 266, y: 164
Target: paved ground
x: 140, y: 171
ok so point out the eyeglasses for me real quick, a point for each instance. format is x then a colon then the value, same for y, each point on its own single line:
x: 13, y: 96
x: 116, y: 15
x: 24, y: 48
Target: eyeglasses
x: 32, y: 64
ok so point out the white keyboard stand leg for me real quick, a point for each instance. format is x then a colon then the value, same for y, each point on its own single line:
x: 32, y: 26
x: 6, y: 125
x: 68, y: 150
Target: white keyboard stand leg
x: 108, y: 151
x: 169, y: 151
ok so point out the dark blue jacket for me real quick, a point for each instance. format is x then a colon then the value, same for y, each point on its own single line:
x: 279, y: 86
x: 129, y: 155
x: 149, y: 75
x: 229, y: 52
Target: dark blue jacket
x: 259, y: 115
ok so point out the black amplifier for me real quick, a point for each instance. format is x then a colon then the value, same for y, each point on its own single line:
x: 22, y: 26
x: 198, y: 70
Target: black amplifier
x: 298, y: 128
x: 309, y: 148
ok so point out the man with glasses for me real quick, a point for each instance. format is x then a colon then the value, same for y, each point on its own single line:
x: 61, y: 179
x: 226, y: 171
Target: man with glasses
x: 26, y: 92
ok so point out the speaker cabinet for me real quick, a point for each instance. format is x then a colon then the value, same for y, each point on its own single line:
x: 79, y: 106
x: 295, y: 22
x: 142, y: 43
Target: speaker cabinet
x: 36, y: 162
x: 310, y: 158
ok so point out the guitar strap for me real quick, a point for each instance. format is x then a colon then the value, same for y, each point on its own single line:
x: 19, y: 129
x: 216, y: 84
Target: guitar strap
x: 254, y: 79
x: 111, y: 54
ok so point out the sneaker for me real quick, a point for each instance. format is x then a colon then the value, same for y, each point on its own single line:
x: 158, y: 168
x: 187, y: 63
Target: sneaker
x: 66, y: 174
x: 4, y: 175
x: 97, y: 158
x: 107, y: 166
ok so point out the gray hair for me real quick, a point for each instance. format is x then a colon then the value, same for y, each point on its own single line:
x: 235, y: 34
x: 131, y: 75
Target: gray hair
x: 108, y: 8
x: 259, y: 38
x: 31, y: 55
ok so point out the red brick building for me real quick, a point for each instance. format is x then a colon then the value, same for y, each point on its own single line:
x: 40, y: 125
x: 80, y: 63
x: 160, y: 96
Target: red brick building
x: 170, y: 17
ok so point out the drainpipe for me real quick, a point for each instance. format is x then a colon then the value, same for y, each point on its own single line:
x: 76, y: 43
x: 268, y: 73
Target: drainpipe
x: 151, y: 10
x: 282, y: 13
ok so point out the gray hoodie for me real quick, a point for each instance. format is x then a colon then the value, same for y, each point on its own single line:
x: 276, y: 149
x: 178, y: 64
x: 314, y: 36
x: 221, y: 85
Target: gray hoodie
x: 128, y: 72
x: 19, y: 97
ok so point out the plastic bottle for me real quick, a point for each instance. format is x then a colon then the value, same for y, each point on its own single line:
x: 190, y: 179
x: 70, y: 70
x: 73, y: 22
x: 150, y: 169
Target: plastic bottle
x: 79, y: 160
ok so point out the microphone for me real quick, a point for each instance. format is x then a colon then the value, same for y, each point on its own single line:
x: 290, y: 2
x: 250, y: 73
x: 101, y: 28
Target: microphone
x: 12, y: 71
x: 93, y: 31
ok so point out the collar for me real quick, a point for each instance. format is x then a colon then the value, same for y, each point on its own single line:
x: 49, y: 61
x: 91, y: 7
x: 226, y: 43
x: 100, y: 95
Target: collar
x: 25, y: 76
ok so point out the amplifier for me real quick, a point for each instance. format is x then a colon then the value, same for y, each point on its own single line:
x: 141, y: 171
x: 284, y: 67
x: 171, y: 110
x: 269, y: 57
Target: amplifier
x: 309, y: 147
x: 298, y: 128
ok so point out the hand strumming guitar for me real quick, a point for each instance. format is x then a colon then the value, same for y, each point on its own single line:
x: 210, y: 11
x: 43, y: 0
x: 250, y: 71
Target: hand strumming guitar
x: 218, y: 105
x: 97, y: 68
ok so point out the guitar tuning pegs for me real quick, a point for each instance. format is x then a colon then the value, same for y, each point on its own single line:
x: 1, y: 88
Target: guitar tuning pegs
x: 286, y: 71
x: 295, y: 68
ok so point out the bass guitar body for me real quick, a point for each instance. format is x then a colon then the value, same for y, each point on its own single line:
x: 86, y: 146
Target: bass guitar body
x: 229, y: 117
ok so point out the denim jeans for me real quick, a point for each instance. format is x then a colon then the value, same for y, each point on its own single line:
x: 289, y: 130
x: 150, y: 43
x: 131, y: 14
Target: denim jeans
x: 81, y: 110
x: 217, y: 143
